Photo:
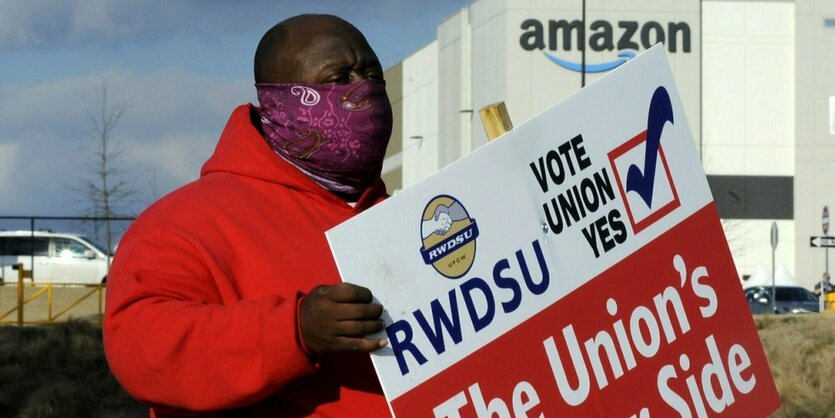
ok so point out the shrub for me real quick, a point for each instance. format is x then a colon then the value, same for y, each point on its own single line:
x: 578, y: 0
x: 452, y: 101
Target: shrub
x: 59, y: 371
x: 801, y: 354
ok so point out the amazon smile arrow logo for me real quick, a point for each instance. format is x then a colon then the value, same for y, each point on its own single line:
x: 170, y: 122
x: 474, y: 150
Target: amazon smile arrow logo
x: 594, y: 68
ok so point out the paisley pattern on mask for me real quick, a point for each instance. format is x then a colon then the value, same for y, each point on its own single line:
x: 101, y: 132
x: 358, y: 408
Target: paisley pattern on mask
x: 304, y: 146
x: 336, y: 133
x: 357, y: 98
x: 309, y: 97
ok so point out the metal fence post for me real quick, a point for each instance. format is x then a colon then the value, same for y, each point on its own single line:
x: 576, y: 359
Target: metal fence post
x: 20, y: 295
x: 49, y: 302
x: 101, y: 314
x: 21, y: 274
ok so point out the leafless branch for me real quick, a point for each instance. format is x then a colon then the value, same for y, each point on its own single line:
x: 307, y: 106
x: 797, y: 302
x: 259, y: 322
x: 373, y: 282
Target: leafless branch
x: 105, y: 185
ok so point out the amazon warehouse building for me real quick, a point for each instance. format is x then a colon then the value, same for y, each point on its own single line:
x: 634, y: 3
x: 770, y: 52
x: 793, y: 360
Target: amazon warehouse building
x: 757, y: 80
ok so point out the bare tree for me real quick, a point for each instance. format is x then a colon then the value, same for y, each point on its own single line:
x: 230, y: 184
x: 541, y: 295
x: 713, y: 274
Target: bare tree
x: 104, y: 187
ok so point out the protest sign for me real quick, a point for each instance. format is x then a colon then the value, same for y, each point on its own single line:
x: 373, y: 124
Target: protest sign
x: 576, y: 266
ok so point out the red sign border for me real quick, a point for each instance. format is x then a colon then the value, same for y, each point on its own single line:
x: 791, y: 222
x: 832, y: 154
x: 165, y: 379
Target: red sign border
x: 661, y: 212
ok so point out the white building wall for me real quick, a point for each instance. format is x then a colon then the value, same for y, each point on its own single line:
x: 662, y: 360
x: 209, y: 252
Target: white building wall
x: 748, y: 112
x: 420, y: 115
x: 748, y: 70
x: 488, y: 36
x: 814, y: 184
x: 454, y: 106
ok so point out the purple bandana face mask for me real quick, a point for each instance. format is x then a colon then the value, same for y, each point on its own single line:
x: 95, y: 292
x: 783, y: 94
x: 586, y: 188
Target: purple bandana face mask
x: 335, y: 133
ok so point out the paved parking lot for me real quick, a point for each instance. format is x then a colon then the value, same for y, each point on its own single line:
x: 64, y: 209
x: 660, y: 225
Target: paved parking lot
x: 63, y: 297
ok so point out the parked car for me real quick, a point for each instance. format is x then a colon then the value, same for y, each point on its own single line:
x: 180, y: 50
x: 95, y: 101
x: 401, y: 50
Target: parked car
x: 790, y: 299
x: 58, y: 257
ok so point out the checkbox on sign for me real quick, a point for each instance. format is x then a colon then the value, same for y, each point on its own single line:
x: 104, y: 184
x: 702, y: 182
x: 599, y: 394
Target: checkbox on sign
x: 659, y: 196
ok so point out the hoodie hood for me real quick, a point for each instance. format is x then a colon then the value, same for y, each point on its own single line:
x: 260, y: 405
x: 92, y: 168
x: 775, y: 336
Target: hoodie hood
x: 242, y: 150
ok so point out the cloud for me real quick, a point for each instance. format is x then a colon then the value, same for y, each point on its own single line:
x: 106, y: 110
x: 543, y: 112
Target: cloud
x: 8, y: 167
x: 169, y: 162
x: 170, y: 127
x: 26, y: 23
x: 49, y: 24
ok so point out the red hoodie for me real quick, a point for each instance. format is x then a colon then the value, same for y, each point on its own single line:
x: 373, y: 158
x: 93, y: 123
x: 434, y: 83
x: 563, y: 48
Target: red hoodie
x: 202, y: 294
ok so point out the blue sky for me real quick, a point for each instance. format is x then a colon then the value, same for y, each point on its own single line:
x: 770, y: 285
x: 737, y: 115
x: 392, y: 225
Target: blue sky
x: 180, y: 66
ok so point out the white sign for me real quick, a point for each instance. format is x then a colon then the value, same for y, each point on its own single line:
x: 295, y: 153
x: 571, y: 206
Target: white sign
x: 576, y: 266
x: 822, y: 242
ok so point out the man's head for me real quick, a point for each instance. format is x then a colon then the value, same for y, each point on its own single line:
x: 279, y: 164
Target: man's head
x: 826, y: 277
x: 323, y: 101
x: 315, y: 49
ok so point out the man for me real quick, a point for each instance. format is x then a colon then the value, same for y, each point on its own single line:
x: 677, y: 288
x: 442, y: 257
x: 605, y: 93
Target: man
x: 825, y: 283
x: 224, y: 299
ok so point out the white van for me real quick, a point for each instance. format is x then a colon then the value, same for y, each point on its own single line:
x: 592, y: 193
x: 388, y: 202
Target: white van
x: 58, y: 257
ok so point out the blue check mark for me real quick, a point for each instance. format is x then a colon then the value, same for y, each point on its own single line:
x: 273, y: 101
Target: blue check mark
x: 660, y: 112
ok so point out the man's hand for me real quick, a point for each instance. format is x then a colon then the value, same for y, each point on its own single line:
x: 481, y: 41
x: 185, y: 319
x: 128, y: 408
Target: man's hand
x: 337, y: 318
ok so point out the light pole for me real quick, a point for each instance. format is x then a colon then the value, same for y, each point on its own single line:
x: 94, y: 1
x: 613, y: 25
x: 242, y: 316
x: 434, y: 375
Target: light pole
x: 825, y: 227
